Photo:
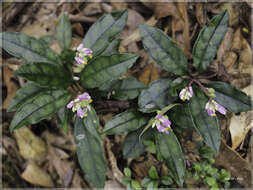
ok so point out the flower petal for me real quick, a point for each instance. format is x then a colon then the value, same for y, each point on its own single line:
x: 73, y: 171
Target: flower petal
x: 70, y: 104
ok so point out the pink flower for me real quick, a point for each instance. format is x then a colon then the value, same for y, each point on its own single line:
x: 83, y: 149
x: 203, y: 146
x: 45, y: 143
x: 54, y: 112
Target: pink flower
x: 162, y: 123
x: 70, y: 104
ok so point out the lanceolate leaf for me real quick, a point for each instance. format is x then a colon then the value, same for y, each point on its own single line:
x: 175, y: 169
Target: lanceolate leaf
x: 181, y: 117
x: 207, y: 126
x: 45, y: 74
x: 128, y: 88
x: 42, y: 106
x: 163, y: 50
x: 230, y: 97
x: 104, y: 69
x: 64, y: 31
x: 170, y: 150
x: 156, y: 96
x: 29, y: 48
x: 102, y: 32
x: 112, y: 48
x: 209, y: 40
x: 124, y: 122
x: 132, y: 146
x: 90, y: 153
x: 29, y: 91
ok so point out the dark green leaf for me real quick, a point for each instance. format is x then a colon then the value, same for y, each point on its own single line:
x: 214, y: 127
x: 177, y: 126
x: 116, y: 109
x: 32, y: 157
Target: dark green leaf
x: 104, y: 69
x: 45, y: 74
x: 209, y: 40
x: 48, y: 39
x: 127, y: 89
x: 231, y: 97
x: 64, y: 31
x: 41, y: 107
x: 112, y: 48
x: 29, y: 91
x: 156, y: 96
x: 102, y: 32
x: 163, y: 50
x: 124, y: 122
x: 132, y: 146
x: 27, y: 47
x: 90, y: 153
x: 176, y: 85
x: 207, y: 126
x: 181, y: 117
x: 170, y: 150
x: 65, y: 115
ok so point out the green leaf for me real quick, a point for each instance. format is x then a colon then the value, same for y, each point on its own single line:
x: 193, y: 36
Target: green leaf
x: 112, y: 48
x: 127, y: 89
x: 166, y: 180
x: 65, y: 115
x: 64, y: 31
x: 170, y: 150
x: 209, y: 40
x: 145, y: 182
x: 104, y: 69
x: 231, y: 97
x: 90, y: 153
x: 163, y: 50
x: 127, y: 172
x: 124, y: 122
x: 132, y: 146
x: 153, y: 173
x: 45, y: 74
x: 207, y: 126
x: 181, y: 117
x: 29, y: 91
x: 27, y: 47
x: 210, y: 181
x: 103, y: 31
x: 135, y: 184
x: 44, y: 105
x: 177, y: 84
x: 156, y: 96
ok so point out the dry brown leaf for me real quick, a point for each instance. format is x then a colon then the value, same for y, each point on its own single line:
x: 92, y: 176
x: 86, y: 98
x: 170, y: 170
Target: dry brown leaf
x: 37, y: 176
x: 77, y: 181
x: 112, y: 184
x: 229, y: 59
x: 241, y: 124
x: 200, y: 15
x: 119, y: 4
x: 134, y: 20
x: 11, y: 86
x: 235, y: 164
x: 78, y: 28
x: 226, y: 44
x: 92, y: 9
x: 30, y: 146
x: 63, y: 168
x: 245, y: 61
x: 237, y: 41
x: 149, y: 74
x: 163, y: 9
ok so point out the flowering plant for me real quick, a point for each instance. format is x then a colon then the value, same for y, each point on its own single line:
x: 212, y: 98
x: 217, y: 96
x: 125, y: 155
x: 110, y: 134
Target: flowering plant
x: 67, y: 83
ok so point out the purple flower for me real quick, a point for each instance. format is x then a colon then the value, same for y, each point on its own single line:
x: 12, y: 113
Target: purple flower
x: 80, y: 47
x: 162, y: 123
x: 81, y: 112
x: 186, y: 93
x: 70, y: 104
x: 80, y: 60
x: 87, y: 51
x: 188, y: 163
x: 84, y: 96
x: 212, y: 106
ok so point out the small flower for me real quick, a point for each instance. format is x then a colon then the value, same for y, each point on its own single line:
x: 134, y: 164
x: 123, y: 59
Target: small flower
x: 186, y: 93
x: 82, y: 57
x: 188, y: 163
x: 212, y: 106
x: 80, y: 104
x: 162, y: 123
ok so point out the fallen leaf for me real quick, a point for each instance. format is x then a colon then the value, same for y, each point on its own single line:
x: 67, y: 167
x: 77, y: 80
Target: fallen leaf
x: 11, y: 86
x: 112, y: 184
x: 118, y: 5
x: 37, y: 176
x: 245, y: 60
x: 30, y: 146
x: 78, y: 28
x: 226, y: 44
x: 241, y: 124
x: 200, y: 15
x: 235, y: 164
x: 78, y: 181
x: 237, y: 41
x: 149, y: 74
x: 92, y: 9
x: 64, y: 168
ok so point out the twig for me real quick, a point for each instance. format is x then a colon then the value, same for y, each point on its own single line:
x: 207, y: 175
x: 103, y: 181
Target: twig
x: 117, y: 174
x: 81, y: 18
